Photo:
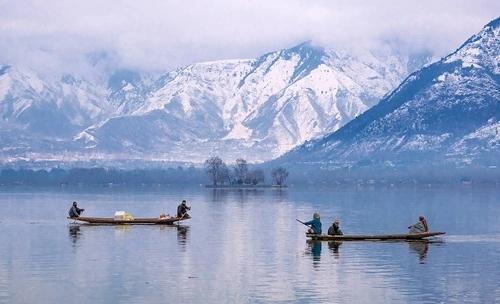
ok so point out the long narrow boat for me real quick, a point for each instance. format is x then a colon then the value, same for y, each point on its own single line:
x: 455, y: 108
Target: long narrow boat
x: 381, y: 237
x: 135, y: 221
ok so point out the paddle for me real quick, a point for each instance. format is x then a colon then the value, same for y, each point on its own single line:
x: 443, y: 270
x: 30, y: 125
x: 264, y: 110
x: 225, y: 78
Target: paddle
x: 304, y: 225
x: 179, y: 221
x: 188, y: 208
x: 302, y: 222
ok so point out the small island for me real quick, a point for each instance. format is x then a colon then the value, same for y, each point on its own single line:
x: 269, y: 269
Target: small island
x: 241, y: 176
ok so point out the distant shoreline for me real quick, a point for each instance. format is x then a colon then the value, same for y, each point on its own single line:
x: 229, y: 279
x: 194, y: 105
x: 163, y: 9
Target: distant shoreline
x: 246, y: 186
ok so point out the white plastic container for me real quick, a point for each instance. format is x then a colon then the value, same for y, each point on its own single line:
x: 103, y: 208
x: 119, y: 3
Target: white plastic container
x: 120, y: 215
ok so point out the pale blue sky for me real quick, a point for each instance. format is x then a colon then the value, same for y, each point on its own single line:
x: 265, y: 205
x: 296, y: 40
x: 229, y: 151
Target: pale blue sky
x: 62, y: 35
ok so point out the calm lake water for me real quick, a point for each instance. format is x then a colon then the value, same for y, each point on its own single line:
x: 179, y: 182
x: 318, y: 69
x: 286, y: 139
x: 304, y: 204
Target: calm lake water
x: 245, y: 246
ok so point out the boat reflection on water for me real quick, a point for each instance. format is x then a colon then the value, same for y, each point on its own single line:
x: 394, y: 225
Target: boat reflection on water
x: 334, y: 246
x: 74, y: 233
x: 120, y: 230
x: 182, y: 235
x: 421, y: 248
x: 315, y: 251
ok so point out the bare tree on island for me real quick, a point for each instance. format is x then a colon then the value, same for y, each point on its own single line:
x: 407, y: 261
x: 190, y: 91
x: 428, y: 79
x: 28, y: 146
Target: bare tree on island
x: 255, y: 176
x: 279, y: 174
x: 220, y: 173
x: 240, y: 170
x: 217, y: 170
x: 225, y: 175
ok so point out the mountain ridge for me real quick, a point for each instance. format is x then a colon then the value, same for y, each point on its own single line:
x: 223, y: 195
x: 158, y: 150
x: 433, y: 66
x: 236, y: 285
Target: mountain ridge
x: 241, y: 108
x: 441, y: 113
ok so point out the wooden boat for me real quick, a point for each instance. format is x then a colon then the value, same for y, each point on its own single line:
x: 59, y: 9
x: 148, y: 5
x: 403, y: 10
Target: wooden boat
x: 381, y: 237
x: 135, y: 221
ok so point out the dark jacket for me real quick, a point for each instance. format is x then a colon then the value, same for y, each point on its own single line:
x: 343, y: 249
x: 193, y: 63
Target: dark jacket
x: 182, y: 210
x: 334, y: 230
x: 315, y: 225
x: 74, y: 211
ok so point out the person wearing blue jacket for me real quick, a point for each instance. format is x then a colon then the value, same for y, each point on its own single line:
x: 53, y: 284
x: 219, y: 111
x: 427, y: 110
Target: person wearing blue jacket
x: 315, y: 224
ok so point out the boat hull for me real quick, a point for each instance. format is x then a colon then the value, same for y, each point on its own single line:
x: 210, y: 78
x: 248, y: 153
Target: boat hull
x: 382, y: 237
x: 136, y: 221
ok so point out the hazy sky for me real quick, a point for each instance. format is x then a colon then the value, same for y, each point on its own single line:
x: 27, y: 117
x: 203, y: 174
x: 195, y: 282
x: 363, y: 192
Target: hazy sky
x: 68, y: 36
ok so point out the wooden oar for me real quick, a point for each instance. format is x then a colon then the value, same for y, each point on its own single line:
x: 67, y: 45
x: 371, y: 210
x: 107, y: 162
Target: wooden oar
x: 302, y: 222
x: 188, y: 208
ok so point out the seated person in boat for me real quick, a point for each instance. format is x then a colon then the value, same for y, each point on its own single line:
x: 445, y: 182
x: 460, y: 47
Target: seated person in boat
x: 420, y: 226
x: 335, y: 228
x: 74, y: 211
x: 182, y: 210
x: 315, y: 224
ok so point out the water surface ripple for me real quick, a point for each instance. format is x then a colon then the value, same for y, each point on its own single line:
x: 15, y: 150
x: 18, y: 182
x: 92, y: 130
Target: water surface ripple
x: 245, y: 246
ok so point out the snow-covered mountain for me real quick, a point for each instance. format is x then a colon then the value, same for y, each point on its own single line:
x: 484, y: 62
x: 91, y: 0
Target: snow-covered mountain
x: 41, y: 115
x: 446, y: 113
x: 47, y: 107
x: 255, y: 109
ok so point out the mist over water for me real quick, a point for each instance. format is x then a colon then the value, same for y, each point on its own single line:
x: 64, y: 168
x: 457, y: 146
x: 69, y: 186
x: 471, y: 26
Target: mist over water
x: 245, y: 246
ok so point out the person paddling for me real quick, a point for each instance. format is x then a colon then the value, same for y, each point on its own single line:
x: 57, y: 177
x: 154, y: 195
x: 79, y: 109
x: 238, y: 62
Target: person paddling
x: 74, y: 211
x: 182, y: 210
x: 420, y: 226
